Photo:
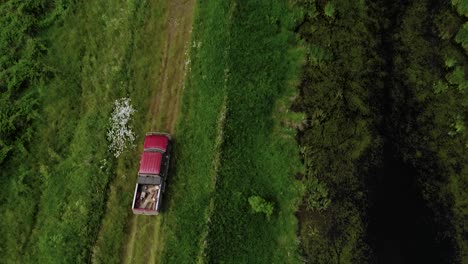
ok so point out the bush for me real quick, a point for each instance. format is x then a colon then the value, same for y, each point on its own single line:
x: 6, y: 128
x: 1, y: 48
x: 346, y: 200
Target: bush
x: 260, y: 205
x: 317, y: 195
x: 121, y: 134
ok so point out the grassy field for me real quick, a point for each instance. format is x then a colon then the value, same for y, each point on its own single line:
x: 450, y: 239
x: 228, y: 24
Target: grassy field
x: 165, y: 78
x: 95, y: 57
x: 259, y: 156
x: 190, y: 186
x: 69, y: 200
x: 229, y: 146
x: 144, y: 66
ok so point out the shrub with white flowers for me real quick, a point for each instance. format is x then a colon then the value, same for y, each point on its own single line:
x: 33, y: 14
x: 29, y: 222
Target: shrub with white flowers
x: 120, y: 134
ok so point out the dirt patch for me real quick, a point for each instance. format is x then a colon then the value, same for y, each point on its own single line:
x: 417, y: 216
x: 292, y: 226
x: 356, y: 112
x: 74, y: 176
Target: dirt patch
x: 166, y: 96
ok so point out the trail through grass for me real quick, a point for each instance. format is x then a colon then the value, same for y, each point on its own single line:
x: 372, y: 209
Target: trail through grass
x: 166, y: 35
x: 227, y: 144
x: 97, y: 54
x: 190, y: 189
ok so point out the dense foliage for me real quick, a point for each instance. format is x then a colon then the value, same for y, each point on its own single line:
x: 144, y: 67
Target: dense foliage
x: 22, y: 72
x: 23, y: 75
x: 341, y: 145
x: 384, y: 92
x: 432, y: 66
x: 260, y: 205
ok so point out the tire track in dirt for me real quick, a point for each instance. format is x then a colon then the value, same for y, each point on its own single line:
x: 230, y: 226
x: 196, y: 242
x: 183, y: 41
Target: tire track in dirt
x: 165, y: 105
x: 162, y: 116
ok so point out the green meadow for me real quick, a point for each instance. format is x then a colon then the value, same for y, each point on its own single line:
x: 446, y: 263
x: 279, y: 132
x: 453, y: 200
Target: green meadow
x: 55, y: 179
x: 230, y: 143
x: 304, y: 131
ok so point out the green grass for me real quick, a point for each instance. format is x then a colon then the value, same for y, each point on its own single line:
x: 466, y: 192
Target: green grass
x: 244, y: 56
x: 258, y: 156
x: 148, y: 39
x: 54, y: 206
x: 190, y: 186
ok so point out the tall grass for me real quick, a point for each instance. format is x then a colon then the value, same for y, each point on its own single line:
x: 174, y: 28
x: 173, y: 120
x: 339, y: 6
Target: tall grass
x: 60, y: 190
x: 259, y: 157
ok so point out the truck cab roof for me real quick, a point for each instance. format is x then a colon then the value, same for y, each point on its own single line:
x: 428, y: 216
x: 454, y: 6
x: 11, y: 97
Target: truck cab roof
x: 156, y: 142
x: 150, y: 163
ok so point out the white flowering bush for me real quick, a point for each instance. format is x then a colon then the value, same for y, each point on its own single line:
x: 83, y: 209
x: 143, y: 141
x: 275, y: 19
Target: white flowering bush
x: 120, y: 134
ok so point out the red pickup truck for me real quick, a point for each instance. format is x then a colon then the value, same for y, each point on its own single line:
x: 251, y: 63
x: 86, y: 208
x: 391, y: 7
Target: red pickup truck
x: 152, y: 175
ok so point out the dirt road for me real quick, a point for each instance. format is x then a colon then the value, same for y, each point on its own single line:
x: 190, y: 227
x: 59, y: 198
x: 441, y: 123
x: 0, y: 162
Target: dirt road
x: 162, y: 116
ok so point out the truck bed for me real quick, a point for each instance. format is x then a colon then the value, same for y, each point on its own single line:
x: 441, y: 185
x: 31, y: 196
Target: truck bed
x: 146, y: 199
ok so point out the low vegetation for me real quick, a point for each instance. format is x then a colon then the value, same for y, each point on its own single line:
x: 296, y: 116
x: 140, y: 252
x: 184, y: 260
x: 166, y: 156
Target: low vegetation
x: 242, y: 62
x: 259, y: 157
x: 72, y: 61
x: 145, y: 58
x: 120, y: 134
x: 259, y: 205
x: 191, y: 184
